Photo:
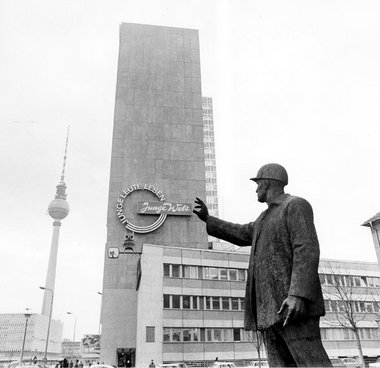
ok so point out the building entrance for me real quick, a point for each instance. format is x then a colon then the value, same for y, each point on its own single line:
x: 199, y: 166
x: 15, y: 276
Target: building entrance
x: 126, y: 357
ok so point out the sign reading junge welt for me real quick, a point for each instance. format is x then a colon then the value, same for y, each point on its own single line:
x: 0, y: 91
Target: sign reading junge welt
x: 162, y: 208
x: 156, y: 208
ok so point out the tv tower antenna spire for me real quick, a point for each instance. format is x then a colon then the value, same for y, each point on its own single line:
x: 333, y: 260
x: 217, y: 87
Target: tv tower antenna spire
x: 65, y: 155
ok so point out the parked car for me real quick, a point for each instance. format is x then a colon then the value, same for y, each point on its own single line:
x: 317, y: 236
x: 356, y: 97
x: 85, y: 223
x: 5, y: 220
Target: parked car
x: 351, y: 363
x: 376, y: 364
x: 103, y: 366
x: 336, y: 362
x: 256, y: 364
x: 172, y: 365
x: 222, y: 365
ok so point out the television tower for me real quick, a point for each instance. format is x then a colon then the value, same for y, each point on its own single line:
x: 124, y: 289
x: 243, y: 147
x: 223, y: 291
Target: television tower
x: 58, y: 209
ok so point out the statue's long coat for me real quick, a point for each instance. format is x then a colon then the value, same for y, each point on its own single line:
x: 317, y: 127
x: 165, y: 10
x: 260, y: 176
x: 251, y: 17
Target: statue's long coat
x: 284, y: 259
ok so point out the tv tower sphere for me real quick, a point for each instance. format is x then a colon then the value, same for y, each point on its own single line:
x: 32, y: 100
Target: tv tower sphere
x: 59, y: 208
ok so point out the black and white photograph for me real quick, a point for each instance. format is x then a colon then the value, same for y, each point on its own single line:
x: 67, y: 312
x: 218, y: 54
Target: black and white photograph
x: 189, y: 183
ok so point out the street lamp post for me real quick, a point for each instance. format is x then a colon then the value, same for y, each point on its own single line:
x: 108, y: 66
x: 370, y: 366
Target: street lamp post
x: 48, y: 329
x: 75, y: 323
x: 27, y: 315
x: 100, y: 318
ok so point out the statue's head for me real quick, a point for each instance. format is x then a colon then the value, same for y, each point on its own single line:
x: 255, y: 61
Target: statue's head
x: 272, y: 178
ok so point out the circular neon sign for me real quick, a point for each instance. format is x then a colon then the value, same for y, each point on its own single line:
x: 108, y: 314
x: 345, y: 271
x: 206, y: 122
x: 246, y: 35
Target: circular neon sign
x: 120, y: 209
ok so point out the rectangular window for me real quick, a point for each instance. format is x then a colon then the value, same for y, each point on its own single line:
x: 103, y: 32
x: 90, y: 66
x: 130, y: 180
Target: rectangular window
x: 176, y: 301
x: 237, y: 335
x: 223, y: 274
x: 356, y: 281
x: 235, y: 303
x: 186, y: 271
x: 327, y: 306
x: 186, y: 334
x: 166, y: 301
x: 323, y: 333
x: 376, y: 307
x: 241, y: 275
x: 150, y: 333
x: 334, y: 306
x: 329, y: 279
x: 368, y: 307
x: 186, y: 302
x: 217, y: 334
x: 207, y: 302
x: 370, y: 282
x: 242, y: 305
x: 201, y: 302
x: 215, y: 303
x: 227, y: 334
x: 341, y: 305
x: 213, y: 273
x: 195, y: 302
x: 200, y: 273
x: 362, y: 307
x: 175, y: 270
x: 232, y: 274
x: 196, y: 334
x: 349, y: 280
x: 176, y: 334
x: 322, y: 278
x: 225, y: 303
x: 166, y: 270
x: 209, y: 334
x: 193, y: 272
x: 166, y: 334
x: 203, y: 334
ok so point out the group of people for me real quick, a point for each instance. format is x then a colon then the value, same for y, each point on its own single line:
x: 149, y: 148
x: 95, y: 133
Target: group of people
x: 64, y: 363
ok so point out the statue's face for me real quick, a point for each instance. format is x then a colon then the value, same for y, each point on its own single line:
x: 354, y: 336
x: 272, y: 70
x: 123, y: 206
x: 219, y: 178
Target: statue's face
x: 262, y: 188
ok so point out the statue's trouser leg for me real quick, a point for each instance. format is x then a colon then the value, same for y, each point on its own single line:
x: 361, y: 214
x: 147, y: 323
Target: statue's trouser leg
x: 296, y: 345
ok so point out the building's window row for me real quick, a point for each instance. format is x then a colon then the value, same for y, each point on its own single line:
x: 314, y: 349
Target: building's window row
x: 211, y: 199
x: 210, y: 186
x: 203, y: 302
x: 347, y: 334
x: 358, y: 306
x: 209, y: 144
x: 213, y: 206
x: 209, y: 151
x: 208, y: 133
x: 204, y: 272
x: 349, y: 280
x: 207, y: 111
x: 174, y: 334
x: 210, y: 156
x: 210, y: 175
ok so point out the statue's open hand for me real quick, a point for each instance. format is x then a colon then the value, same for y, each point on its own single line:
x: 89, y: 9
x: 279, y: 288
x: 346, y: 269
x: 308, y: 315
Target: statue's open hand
x: 296, y: 309
x: 203, y: 210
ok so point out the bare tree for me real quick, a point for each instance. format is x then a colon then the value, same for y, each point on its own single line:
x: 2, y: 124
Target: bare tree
x: 352, y: 301
x: 256, y: 338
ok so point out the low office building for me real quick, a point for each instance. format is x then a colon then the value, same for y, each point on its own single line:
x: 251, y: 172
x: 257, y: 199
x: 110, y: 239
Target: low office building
x: 13, y: 327
x: 191, y: 307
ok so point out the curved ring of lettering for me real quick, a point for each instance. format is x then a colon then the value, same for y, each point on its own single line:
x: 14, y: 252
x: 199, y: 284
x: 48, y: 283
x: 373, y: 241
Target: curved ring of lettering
x: 128, y: 225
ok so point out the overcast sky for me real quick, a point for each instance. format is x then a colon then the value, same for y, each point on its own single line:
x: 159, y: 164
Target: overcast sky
x: 294, y: 82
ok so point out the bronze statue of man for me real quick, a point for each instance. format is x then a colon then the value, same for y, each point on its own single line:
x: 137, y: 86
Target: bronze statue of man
x: 283, y: 292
